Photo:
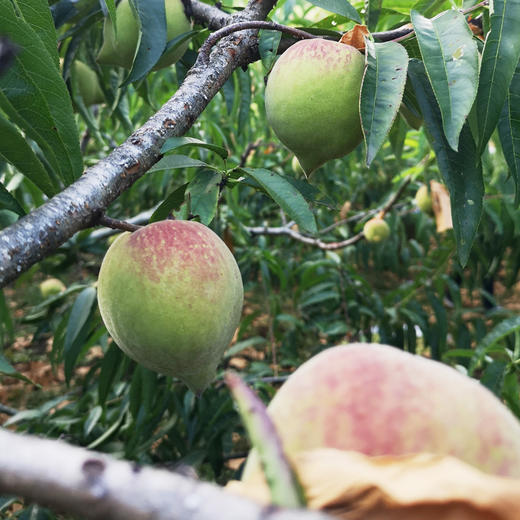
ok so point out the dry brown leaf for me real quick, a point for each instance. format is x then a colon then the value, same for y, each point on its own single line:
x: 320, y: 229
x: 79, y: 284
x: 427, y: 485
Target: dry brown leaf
x: 476, y: 29
x: 353, y: 486
x: 441, y: 206
x: 355, y: 37
x: 345, y: 210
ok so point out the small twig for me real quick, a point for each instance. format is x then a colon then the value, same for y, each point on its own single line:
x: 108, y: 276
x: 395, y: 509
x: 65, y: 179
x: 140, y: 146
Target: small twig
x: 117, y: 224
x: 328, y: 246
x: 205, y: 48
x: 386, y: 36
x: 355, y: 218
x: 406, y: 31
x: 394, y: 198
x: 247, y: 152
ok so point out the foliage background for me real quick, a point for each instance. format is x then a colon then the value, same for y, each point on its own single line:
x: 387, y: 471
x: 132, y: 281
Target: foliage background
x: 64, y: 378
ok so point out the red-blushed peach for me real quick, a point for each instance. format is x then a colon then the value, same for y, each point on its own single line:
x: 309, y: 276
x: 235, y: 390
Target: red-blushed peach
x: 170, y: 294
x: 378, y: 400
x: 312, y: 100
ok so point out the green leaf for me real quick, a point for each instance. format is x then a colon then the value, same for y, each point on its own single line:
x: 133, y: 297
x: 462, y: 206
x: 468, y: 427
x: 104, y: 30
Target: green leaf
x: 284, y: 486
x: 170, y: 204
x: 341, y: 7
x: 509, y: 130
x: 431, y: 7
x: 268, y: 42
x: 204, y: 190
x: 373, y: 10
x: 171, y: 162
x: 450, y: 56
x: 493, y: 377
x: 397, y: 137
x: 499, y: 60
x: 15, y: 149
x: 244, y: 81
x: 112, y: 361
x: 511, y: 392
x: 6, y: 323
x: 461, y: 171
x: 286, y: 196
x: 38, y: 15
x: 92, y: 419
x: 174, y: 143
x: 78, y: 318
x: 311, y: 193
x: 7, y: 201
x: 152, y: 42
x: 8, y: 370
x: 499, y: 332
x: 34, y: 96
x: 381, y: 92
x: 109, y: 7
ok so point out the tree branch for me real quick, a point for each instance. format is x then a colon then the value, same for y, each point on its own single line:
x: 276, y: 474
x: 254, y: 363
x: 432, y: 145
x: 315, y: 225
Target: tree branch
x: 205, y: 48
x: 81, y: 205
x: 115, y: 223
x: 317, y: 242
x: 96, y: 486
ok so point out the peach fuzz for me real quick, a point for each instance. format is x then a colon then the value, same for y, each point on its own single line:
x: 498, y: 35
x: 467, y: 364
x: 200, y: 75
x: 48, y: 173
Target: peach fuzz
x: 378, y: 400
x: 170, y: 294
x: 312, y: 100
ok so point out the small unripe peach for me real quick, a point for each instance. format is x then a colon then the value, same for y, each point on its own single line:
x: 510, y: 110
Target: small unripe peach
x: 51, y: 287
x: 423, y: 199
x: 376, y: 230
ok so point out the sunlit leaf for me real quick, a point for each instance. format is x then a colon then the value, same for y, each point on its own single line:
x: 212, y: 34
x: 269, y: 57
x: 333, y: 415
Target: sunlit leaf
x: 381, y: 92
x: 499, y: 60
x: 451, y: 60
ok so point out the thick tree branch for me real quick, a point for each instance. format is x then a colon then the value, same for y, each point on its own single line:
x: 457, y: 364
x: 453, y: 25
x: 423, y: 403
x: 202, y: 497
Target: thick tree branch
x: 80, y: 205
x: 209, y: 15
x: 95, y: 486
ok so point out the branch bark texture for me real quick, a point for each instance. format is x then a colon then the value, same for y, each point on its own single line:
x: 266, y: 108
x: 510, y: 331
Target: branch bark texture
x: 95, y: 486
x: 80, y: 205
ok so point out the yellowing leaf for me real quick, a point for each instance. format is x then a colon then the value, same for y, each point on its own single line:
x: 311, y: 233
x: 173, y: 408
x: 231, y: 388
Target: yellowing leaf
x: 441, y: 206
x: 355, y: 37
x: 353, y: 486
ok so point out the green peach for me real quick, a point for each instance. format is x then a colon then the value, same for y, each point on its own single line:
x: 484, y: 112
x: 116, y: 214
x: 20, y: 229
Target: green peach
x: 121, y: 50
x: 376, y: 230
x: 51, y: 287
x: 170, y: 294
x: 88, y: 84
x: 423, y: 199
x: 312, y: 100
x: 379, y: 400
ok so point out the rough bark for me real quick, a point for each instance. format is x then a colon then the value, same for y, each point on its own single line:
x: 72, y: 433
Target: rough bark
x: 95, y: 486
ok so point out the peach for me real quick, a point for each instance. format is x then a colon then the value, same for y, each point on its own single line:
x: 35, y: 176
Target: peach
x: 312, y: 100
x: 170, y: 294
x: 378, y: 400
